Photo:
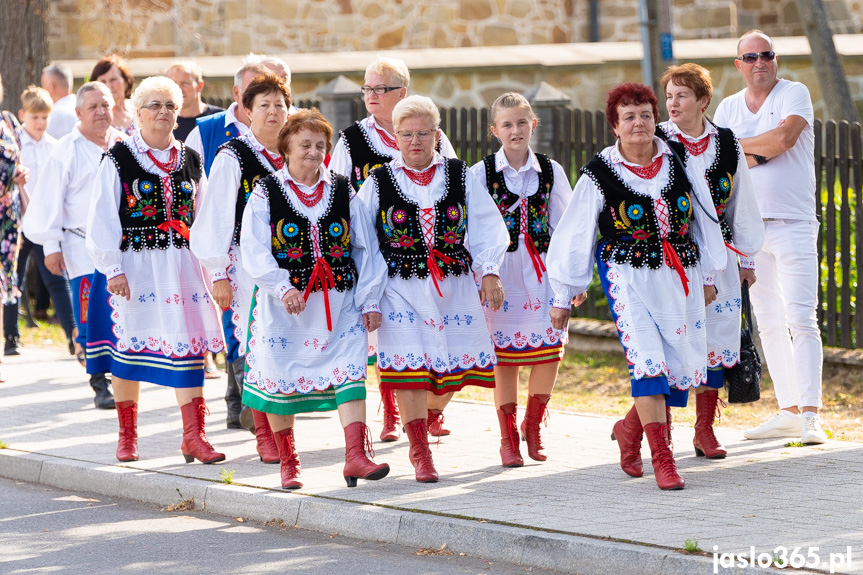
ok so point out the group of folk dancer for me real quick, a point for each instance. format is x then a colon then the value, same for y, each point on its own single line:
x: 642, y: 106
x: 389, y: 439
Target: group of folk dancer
x: 387, y: 250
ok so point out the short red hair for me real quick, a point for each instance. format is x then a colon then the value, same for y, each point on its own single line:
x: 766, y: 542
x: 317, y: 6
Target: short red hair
x: 629, y: 94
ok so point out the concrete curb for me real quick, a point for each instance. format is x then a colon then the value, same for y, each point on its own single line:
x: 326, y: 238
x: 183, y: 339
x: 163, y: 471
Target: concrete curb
x: 518, y: 545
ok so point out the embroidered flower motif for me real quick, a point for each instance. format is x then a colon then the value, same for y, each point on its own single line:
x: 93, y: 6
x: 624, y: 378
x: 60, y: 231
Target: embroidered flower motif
x: 724, y: 184
x: 184, y: 210
x: 149, y: 212
x: 290, y: 230
x: 450, y: 237
x: 336, y: 229
x: 336, y: 252
x: 683, y: 204
x: 400, y: 216
x: 510, y: 223
x: 406, y: 241
x: 145, y: 187
x: 186, y: 187
x: 453, y: 213
x: 683, y: 230
x: 538, y: 227
x: 635, y: 212
x: 641, y: 235
x: 720, y: 209
x: 295, y: 253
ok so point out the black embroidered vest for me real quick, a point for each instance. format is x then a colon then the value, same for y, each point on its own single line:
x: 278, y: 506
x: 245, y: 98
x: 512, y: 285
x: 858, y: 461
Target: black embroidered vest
x: 292, y: 243
x: 142, y: 201
x: 364, y: 157
x: 400, y: 233
x: 628, y: 225
x: 251, y: 170
x: 537, y: 217
x: 720, y: 174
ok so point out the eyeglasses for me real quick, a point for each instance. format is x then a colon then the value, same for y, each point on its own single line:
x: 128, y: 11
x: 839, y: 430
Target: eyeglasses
x: 423, y: 135
x: 752, y: 57
x: 379, y: 90
x: 155, y: 106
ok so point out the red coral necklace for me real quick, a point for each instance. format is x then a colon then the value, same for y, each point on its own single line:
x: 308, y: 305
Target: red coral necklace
x: 311, y: 198
x: 423, y: 178
x: 388, y: 140
x: 277, y: 161
x: 646, y: 172
x: 168, y: 166
x: 695, y: 148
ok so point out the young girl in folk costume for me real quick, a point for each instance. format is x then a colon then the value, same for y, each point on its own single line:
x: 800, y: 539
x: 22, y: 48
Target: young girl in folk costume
x: 531, y: 191
x: 306, y: 242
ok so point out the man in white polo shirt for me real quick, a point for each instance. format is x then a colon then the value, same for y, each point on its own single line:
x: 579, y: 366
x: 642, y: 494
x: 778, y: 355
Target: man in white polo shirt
x: 773, y: 119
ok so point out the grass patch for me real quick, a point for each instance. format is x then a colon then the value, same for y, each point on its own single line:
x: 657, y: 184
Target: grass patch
x: 226, y: 476
x: 3, y: 444
x: 691, y: 546
x: 183, y: 504
x: 795, y: 444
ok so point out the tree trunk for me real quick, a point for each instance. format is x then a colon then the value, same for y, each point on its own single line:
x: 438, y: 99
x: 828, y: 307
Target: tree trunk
x: 23, y: 47
x: 828, y: 66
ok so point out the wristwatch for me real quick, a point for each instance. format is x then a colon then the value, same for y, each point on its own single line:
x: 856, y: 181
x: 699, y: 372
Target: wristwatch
x: 761, y: 160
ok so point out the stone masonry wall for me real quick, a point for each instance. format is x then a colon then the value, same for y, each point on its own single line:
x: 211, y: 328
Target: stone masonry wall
x: 188, y: 28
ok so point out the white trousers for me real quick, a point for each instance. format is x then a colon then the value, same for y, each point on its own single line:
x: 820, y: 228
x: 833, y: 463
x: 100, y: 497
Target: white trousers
x: 784, y: 300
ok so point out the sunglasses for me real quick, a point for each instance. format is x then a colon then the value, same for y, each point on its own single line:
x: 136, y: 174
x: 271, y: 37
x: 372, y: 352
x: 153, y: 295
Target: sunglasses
x: 752, y: 57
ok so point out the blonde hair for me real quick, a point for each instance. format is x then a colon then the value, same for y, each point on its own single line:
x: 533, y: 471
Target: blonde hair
x: 141, y: 95
x: 395, y: 68
x: 36, y: 100
x: 413, y: 107
x: 188, y: 67
x: 510, y: 100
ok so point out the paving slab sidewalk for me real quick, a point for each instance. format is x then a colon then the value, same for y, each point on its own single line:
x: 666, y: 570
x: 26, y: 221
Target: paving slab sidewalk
x: 576, y: 512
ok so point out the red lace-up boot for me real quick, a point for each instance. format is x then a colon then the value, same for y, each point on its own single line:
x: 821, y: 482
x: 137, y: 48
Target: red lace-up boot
x: 195, y: 444
x: 420, y: 454
x: 391, y: 431
x: 358, y: 441
x: 628, y: 433
x: 706, y: 408
x: 510, y: 456
x: 290, y: 461
x: 268, y: 451
x: 664, y: 468
x: 436, y: 426
x: 536, y: 413
x: 127, y: 446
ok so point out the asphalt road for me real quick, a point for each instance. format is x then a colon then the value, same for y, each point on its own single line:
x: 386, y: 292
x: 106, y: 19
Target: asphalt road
x: 47, y: 530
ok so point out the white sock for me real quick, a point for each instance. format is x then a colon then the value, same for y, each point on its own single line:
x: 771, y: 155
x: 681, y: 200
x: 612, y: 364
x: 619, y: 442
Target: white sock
x: 810, y: 414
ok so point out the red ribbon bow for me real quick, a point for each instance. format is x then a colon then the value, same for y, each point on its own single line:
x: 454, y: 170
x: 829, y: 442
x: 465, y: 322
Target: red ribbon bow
x: 434, y: 267
x: 178, y: 226
x: 322, y: 276
x: 538, y: 266
x: 672, y: 261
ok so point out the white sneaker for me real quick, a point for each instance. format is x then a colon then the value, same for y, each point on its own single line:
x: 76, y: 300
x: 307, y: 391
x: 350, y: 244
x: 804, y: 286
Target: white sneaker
x: 783, y: 424
x: 812, y: 432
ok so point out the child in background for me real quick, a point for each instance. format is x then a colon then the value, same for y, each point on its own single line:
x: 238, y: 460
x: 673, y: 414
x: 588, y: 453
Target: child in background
x: 532, y: 193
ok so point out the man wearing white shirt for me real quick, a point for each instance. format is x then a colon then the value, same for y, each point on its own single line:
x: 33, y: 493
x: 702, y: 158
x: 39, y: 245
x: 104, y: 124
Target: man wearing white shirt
x: 57, y: 215
x: 57, y: 79
x: 773, y: 119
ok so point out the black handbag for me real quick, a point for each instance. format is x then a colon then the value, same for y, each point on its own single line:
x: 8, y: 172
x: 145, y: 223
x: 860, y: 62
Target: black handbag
x: 744, y: 379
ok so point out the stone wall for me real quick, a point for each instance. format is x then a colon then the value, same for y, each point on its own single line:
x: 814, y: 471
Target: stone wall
x: 189, y: 28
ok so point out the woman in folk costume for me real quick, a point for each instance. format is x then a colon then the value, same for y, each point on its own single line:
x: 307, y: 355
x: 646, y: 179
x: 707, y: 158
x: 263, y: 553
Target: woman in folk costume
x: 715, y: 153
x: 368, y: 144
x: 657, y: 249
x: 427, y: 210
x: 237, y: 167
x: 160, y: 318
x: 306, y: 243
x: 531, y: 191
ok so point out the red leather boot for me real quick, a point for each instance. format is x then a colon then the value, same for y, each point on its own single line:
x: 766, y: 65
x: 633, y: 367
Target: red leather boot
x: 628, y: 433
x: 510, y: 456
x: 290, y: 461
x: 705, y: 441
x: 420, y: 454
x: 127, y: 446
x: 195, y: 444
x: 435, y: 423
x: 392, y: 423
x: 268, y: 451
x: 536, y: 413
x: 664, y: 468
x: 357, y: 441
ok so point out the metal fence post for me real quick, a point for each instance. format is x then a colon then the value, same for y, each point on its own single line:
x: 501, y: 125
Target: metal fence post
x: 337, y: 98
x: 544, y: 98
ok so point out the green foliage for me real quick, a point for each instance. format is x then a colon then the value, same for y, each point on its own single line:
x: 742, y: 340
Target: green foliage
x: 3, y: 444
x: 691, y: 546
x: 226, y: 476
